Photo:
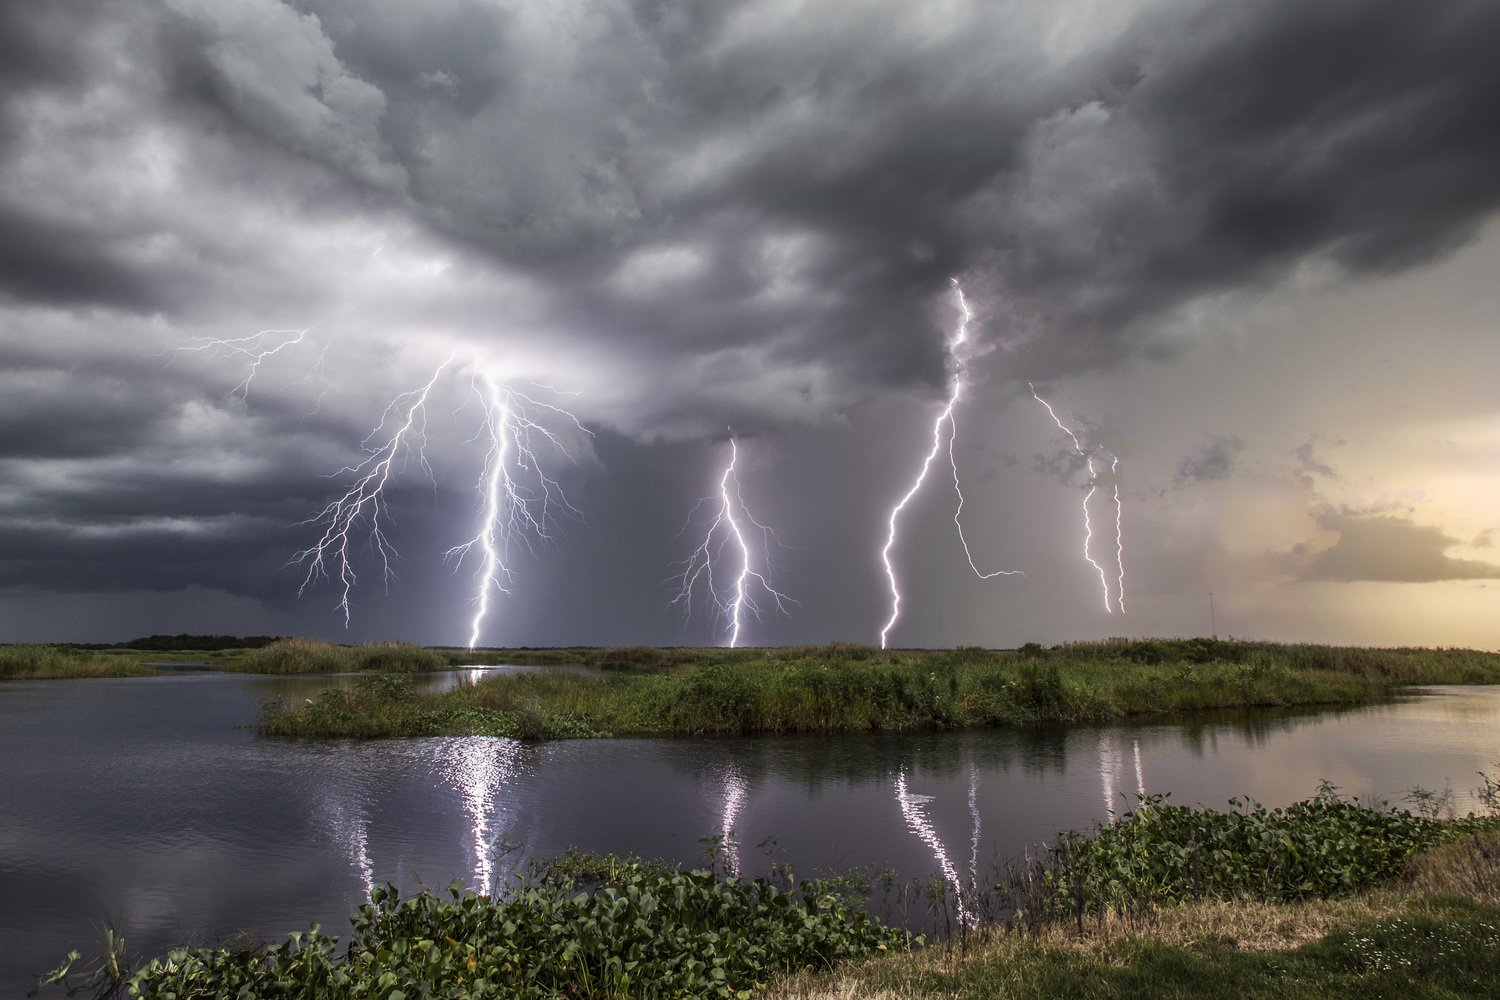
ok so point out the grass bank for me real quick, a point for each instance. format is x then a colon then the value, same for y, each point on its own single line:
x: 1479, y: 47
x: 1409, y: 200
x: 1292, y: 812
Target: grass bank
x: 47, y: 662
x: 1430, y: 931
x: 843, y: 688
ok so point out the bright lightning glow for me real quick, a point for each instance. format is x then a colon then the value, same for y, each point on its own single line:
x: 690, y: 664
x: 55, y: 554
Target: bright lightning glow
x: 1109, y: 762
x: 478, y: 768
x: 508, y: 512
x: 724, y: 528
x: 1140, y: 774
x: 914, y: 811
x: 944, y: 418
x: 736, y: 791
x: 1088, y: 527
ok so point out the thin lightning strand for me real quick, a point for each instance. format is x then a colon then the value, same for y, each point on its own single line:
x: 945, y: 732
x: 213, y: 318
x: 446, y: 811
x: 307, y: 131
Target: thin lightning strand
x: 698, y: 569
x: 1114, y: 468
x: 255, y: 348
x: 364, y: 502
x: 945, y: 417
x: 1088, y: 527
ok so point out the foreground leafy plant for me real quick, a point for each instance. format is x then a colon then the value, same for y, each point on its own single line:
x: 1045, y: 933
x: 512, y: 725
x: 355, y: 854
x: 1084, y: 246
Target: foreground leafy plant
x: 640, y: 932
x: 1162, y: 854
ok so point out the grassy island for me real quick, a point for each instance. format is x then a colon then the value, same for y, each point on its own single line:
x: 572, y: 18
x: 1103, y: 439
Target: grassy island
x: 846, y: 688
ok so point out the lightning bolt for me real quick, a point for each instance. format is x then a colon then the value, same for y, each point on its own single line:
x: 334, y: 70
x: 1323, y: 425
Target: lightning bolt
x: 1088, y: 526
x: 725, y: 529
x: 363, y: 503
x: 944, y: 419
x: 254, y: 349
x: 509, y: 514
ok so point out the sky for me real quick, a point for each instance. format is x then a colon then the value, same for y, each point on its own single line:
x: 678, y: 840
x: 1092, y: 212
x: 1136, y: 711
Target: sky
x: 1246, y: 251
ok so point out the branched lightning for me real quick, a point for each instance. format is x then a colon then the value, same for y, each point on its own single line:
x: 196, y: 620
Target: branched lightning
x: 254, y: 349
x: 508, y: 511
x: 725, y: 529
x: 364, y: 503
x: 509, y: 514
x: 944, y: 419
x: 1088, y: 527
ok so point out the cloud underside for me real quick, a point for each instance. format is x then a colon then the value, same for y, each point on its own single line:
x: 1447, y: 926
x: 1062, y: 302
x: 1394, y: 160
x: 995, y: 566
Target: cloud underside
x: 769, y: 201
x: 1384, y: 549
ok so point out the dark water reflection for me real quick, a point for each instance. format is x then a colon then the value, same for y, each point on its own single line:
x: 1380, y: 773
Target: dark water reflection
x: 147, y: 802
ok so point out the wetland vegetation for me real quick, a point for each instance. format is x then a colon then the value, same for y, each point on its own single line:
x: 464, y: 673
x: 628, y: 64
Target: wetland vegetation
x: 845, y: 688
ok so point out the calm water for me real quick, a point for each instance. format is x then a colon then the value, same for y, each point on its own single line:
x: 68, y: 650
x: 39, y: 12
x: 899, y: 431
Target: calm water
x: 145, y: 801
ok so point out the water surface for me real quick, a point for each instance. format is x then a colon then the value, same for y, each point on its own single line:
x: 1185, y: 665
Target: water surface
x: 148, y: 802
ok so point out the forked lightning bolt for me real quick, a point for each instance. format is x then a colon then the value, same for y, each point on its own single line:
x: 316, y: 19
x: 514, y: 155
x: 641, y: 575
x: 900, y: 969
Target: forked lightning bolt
x: 510, y: 512
x: 254, y: 349
x: 725, y: 530
x: 1088, y: 527
x: 944, y: 418
x: 361, y: 510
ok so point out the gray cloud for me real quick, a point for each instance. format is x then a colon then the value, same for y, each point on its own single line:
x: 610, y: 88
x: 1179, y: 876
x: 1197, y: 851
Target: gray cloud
x: 765, y: 195
x: 1214, y: 462
x: 1310, y: 463
x: 1384, y: 548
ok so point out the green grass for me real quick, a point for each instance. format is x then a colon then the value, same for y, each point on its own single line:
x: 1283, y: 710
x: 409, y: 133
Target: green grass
x: 1444, y: 947
x: 842, y: 688
x: 314, y: 656
x: 47, y: 662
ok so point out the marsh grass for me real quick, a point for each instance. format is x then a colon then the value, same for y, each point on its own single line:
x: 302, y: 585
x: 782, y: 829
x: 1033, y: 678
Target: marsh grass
x: 314, y: 656
x: 49, y: 662
x: 841, y: 688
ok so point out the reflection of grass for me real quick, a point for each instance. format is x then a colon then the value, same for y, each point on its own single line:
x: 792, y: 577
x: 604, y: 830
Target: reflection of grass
x: 843, y: 688
x: 37, y: 662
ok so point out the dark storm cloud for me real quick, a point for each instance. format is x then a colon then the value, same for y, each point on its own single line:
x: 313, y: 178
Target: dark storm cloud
x: 765, y: 193
x: 59, y: 262
x: 705, y: 213
x: 1214, y: 462
x: 1385, y: 548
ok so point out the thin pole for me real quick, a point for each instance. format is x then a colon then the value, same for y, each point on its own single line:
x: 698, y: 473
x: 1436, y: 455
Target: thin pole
x: 1212, y: 618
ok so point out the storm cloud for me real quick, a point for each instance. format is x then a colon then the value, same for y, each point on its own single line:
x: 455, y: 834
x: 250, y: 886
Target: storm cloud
x: 694, y: 215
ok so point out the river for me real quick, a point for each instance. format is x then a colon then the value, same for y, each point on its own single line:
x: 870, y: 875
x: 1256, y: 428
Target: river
x: 149, y: 803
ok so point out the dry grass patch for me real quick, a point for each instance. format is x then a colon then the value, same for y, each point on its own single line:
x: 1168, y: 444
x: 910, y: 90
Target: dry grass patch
x: 1001, y: 959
